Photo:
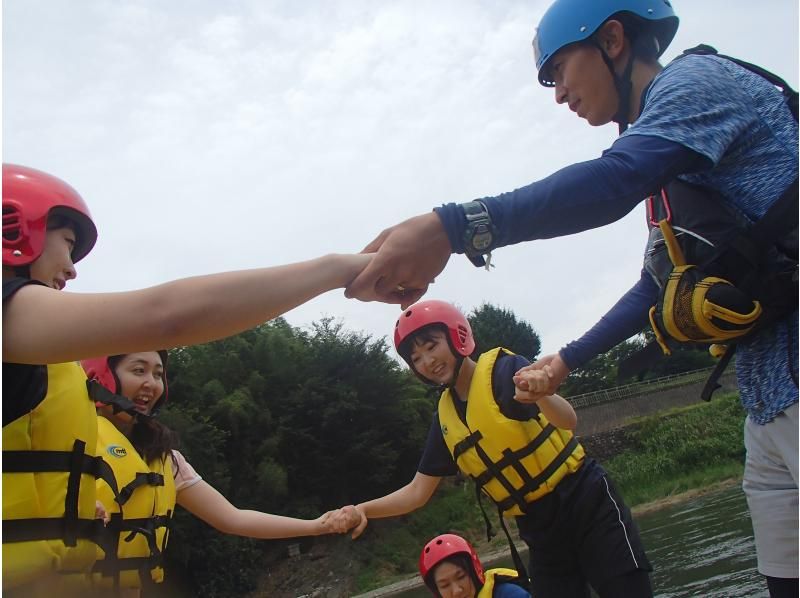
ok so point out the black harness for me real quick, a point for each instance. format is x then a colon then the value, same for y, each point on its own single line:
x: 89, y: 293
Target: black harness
x: 721, y: 279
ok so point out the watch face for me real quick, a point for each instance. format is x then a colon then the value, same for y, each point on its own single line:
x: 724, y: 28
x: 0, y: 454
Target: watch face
x: 481, y: 240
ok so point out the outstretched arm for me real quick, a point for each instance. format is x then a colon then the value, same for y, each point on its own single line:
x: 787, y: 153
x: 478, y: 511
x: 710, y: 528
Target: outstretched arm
x: 42, y: 325
x: 576, y: 198
x: 409, y: 498
x: 204, y: 502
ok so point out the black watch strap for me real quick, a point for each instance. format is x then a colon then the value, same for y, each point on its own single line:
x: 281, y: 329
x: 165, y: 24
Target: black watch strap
x: 479, y: 232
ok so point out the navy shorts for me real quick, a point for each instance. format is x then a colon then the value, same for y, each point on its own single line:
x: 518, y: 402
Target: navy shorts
x: 582, y: 532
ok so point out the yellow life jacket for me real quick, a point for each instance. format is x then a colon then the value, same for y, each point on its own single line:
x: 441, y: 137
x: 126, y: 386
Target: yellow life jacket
x: 492, y: 576
x: 49, y: 472
x: 513, y: 462
x: 137, y: 534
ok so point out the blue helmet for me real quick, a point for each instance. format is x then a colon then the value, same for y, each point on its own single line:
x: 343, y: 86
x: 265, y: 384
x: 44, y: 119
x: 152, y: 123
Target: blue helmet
x: 570, y: 21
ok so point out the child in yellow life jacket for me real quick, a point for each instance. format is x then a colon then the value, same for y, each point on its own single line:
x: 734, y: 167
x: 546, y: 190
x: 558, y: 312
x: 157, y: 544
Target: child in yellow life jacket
x: 522, y: 456
x: 151, y: 476
x: 450, y: 568
x: 49, y: 422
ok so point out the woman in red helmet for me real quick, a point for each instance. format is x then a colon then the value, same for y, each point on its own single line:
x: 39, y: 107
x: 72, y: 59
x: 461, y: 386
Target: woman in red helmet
x: 151, y: 476
x: 49, y: 422
x: 522, y: 455
x: 450, y: 568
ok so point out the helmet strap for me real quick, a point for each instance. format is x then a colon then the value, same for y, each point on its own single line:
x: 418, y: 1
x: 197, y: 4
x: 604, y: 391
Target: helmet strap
x: 23, y: 271
x: 623, y: 85
x: 456, y: 372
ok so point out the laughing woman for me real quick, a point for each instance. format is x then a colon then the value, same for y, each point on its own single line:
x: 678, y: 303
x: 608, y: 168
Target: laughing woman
x: 151, y: 477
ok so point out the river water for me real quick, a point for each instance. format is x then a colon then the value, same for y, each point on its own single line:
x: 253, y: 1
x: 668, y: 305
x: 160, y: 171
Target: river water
x: 699, y: 548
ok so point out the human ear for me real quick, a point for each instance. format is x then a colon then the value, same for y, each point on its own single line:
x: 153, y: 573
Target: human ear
x: 611, y: 37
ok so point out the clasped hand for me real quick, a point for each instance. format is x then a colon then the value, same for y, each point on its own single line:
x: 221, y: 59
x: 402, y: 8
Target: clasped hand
x: 540, y: 379
x: 341, y: 521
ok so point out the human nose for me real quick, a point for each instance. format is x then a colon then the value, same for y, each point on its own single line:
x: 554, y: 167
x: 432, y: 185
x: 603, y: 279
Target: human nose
x: 428, y: 360
x: 70, y: 272
x: 149, y: 380
x: 561, y: 93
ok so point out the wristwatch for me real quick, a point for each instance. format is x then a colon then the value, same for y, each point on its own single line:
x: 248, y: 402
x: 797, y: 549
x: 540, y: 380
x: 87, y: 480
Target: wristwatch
x: 479, y: 234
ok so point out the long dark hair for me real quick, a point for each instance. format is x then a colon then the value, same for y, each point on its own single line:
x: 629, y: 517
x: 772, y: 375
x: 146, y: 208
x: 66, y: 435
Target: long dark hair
x: 151, y: 439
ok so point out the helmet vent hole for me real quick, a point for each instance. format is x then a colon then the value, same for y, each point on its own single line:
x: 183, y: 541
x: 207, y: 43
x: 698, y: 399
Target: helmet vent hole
x: 12, y: 226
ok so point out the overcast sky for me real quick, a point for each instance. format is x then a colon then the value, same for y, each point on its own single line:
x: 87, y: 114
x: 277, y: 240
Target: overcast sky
x: 210, y: 136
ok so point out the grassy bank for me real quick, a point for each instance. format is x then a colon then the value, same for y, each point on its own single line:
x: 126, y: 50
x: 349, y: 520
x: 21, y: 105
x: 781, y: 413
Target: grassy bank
x: 681, y: 450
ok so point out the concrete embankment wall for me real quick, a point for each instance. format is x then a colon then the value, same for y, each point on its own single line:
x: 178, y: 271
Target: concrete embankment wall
x: 614, y: 414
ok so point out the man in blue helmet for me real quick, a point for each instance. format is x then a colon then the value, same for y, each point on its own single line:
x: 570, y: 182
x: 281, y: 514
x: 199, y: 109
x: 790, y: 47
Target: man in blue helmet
x: 703, y: 120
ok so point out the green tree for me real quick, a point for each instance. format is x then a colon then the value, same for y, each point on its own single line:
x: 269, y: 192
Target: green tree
x: 601, y: 371
x: 495, y: 326
x: 287, y: 421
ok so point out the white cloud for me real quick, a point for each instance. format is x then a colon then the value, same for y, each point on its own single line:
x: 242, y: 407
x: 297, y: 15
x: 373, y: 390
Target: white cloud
x: 211, y: 136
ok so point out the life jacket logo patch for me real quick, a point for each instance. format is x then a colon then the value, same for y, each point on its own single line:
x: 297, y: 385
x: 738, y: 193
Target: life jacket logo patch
x: 117, y: 451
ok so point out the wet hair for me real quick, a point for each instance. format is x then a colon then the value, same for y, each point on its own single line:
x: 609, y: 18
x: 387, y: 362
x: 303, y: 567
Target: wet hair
x: 419, y: 338
x: 151, y: 439
x: 461, y: 560
x: 58, y: 220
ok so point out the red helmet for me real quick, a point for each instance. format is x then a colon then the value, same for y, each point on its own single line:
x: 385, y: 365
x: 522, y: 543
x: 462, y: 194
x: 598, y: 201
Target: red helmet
x: 432, y: 311
x: 444, y: 546
x: 29, y: 198
x: 98, y: 368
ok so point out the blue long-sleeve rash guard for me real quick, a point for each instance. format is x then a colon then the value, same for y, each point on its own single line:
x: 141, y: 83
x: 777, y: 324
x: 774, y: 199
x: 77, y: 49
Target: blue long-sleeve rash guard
x: 581, y: 197
x: 626, y: 318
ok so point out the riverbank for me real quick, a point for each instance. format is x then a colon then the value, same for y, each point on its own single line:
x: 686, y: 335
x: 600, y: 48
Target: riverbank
x: 489, y: 554
x: 655, y: 462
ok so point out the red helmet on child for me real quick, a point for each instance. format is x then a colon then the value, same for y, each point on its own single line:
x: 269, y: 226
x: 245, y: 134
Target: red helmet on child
x: 99, y: 369
x: 30, y: 197
x: 432, y: 311
x: 445, y: 546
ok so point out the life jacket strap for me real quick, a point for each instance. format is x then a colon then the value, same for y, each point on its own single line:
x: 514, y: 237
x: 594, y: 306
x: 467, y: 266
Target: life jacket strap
x: 51, y: 528
x: 511, y: 458
x: 712, y: 384
x: 59, y: 461
x: 469, y: 442
x: 149, y: 478
x: 494, y: 472
x: 544, y: 475
x: 523, y: 579
x: 76, y: 463
x: 112, y: 565
x: 100, y: 394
